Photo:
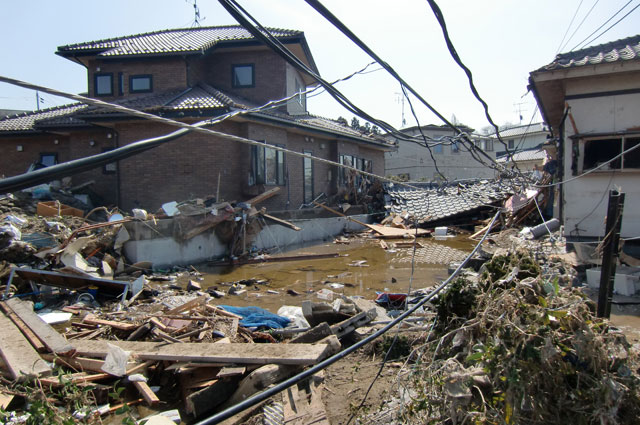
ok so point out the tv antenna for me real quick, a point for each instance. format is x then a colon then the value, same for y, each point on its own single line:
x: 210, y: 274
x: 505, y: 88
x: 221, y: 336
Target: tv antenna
x: 400, y: 99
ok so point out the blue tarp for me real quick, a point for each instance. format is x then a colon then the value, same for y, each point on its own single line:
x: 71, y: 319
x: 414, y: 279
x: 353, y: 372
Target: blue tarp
x: 256, y: 317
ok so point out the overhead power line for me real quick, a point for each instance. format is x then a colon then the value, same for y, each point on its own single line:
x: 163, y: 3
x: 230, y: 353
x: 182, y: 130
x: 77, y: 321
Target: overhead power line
x: 612, y: 25
x: 569, y: 27
x: 47, y: 174
x: 580, y: 24
x: 600, y: 27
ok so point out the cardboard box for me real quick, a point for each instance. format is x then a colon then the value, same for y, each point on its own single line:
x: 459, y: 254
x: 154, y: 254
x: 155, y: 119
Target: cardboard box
x: 55, y: 208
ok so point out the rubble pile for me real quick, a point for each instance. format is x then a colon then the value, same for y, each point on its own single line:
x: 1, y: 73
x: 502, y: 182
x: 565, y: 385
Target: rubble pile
x: 511, y: 345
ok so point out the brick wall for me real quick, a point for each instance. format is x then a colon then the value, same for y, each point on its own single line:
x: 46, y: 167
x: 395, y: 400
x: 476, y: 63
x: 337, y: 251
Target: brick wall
x: 269, y: 69
x: 168, y: 73
x: 67, y: 148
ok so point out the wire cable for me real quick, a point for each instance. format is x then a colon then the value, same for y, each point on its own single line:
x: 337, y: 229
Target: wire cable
x: 47, y: 174
x: 580, y: 24
x: 600, y: 27
x: 271, y: 391
x: 613, y: 25
x: 569, y: 27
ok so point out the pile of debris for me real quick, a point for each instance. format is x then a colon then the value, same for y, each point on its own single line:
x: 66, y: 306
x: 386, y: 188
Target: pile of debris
x: 511, y: 345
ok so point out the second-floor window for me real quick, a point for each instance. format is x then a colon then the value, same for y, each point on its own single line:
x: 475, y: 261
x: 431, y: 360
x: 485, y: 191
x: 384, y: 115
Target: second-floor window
x: 103, y: 84
x: 455, y: 148
x: 243, y: 75
x: 140, y: 83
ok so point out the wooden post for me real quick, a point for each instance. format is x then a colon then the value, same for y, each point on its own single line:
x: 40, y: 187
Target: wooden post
x: 610, y: 252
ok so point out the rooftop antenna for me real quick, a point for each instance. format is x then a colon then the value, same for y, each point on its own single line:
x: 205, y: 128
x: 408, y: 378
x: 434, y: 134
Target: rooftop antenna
x: 519, y: 110
x: 400, y: 99
x: 196, y: 13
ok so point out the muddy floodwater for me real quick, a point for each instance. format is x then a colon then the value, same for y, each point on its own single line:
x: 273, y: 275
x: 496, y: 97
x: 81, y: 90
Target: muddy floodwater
x: 362, y: 268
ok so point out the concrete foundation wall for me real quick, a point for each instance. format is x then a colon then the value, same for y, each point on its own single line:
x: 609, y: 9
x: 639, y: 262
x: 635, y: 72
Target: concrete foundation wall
x: 155, y: 243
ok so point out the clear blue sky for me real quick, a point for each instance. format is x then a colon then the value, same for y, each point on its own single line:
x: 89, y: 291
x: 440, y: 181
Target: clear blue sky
x: 501, y: 41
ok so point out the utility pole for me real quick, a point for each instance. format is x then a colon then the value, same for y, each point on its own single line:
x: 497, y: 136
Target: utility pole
x: 37, y: 100
x: 610, y: 252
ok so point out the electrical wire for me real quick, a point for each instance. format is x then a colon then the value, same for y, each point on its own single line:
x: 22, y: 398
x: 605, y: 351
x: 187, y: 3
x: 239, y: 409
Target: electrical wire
x: 454, y: 54
x: 612, y: 25
x: 47, y: 174
x: 600, y: 27
x: 271, y: 391
x: 580, y: 24
x: 347, y: 32
x: 569, y: 27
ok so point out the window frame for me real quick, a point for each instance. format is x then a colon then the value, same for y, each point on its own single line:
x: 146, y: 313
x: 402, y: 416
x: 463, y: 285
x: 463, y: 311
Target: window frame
x: 618, y: 138
x: 95, y: 84
x: 120, y: 84
x: 307, y: 161
x: 140, y: 76
x: 233, y: 75
x: 45, y: 154
x: 455, y: 148
x: 259, y: 168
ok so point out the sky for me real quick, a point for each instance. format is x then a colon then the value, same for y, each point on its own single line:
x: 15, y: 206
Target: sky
x: 501, y: 41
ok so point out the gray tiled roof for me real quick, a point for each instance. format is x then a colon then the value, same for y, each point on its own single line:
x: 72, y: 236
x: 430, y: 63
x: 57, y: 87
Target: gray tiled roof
x: 29, y: 120
x: 523, y: 129
x: 175, y: 41
x: 526, y: 155
x: 616, y: 51
x: 436, y: 204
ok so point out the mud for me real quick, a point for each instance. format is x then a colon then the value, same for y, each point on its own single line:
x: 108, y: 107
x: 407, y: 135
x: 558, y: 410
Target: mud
x: 363, y: 268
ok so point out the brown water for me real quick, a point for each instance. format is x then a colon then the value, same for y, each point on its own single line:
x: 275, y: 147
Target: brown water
x: 363, y: 268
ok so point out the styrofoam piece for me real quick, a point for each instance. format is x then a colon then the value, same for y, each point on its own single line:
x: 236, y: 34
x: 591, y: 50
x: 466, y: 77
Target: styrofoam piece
x: 441, y: 231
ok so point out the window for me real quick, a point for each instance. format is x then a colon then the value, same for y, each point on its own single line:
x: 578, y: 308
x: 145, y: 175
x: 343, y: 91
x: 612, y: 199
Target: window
x: 307, y: 176
x: 243, y: 75
x: 267, y: 166
x: 120, y: 83
x: 488, y: 145
x: 300, y: 91
x: 455, y: 148
x: 103, y: 84
x: 140, y: 84
x: 599, y: 151
x: 48, y: 159
x: 111, y: 167
x: 346, y: 177
x: 437, y: 148
x: 511, y: 143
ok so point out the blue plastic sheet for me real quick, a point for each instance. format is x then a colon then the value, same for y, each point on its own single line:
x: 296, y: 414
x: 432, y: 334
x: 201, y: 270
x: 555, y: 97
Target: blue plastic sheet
x: 256, y: 317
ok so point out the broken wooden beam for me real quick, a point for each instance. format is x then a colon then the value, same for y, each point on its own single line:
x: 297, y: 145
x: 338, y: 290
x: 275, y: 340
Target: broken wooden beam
x: 54, y: 342
x: 19, y: 356
x: 123, y: 326
x: 233, y: 353
x: 149, y: 396
x: 263, y: 196
x: 28, y: 333
x: 280, y: 221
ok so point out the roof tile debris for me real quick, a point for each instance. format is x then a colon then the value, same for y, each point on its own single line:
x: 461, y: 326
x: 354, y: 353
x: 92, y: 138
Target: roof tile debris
x: 430, y: 205
x: 174, y: 41
x: 616, y: 51
x: 523, y: 129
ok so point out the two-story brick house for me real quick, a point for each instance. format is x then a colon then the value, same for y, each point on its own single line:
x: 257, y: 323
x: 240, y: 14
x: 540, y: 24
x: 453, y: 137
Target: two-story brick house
x: 191, y: 75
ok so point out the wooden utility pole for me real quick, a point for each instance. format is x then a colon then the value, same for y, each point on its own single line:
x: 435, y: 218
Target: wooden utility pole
x: 610, y: 252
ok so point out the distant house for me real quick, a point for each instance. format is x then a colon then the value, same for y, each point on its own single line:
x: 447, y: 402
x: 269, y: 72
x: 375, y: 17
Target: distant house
x: 413, y: 160
x: 190, y: 75
x: 591, y: 100
x: 520, y: 138
x: 526, y: 160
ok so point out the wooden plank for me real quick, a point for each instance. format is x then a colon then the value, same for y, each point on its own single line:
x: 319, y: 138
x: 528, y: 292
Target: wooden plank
x: 340, y: 214
x: 19, y: 356
x: 55, y: 342
x: 263, y: 196
x: 226, y: 372
x: 190, y: 305
x: 394, y: 232
x: 78, y: 363
x: 149, y: 396
x: 31, y: 337
x: 239, y: 353
x: 281, y: 222
x: 93, y: 320
x: 57, y: 381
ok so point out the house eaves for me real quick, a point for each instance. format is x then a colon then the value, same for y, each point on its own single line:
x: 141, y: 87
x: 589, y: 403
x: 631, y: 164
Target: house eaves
x: 305, y: 128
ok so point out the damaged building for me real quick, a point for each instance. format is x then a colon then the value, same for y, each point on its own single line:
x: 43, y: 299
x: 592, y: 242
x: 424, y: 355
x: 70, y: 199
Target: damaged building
x: 192, y: 75
x: 590, y: 100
